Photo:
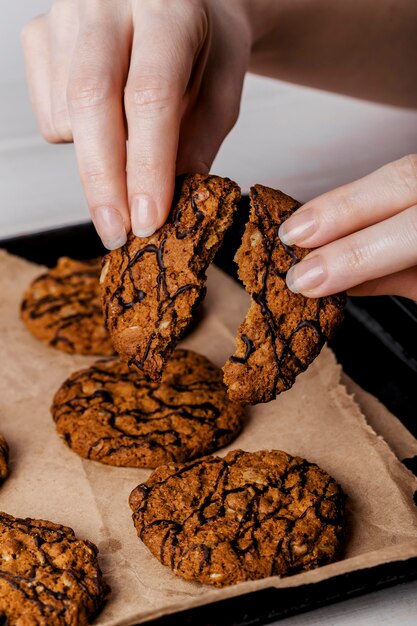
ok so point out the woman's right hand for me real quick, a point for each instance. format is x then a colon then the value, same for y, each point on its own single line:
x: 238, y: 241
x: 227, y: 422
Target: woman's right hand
x: 167, y: 75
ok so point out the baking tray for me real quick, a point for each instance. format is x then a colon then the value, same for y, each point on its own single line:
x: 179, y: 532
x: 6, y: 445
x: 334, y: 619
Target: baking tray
x: 377, y: 346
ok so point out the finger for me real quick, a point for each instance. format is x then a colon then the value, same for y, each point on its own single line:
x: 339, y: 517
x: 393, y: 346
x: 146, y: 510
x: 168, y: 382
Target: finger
x: 369, y: 200
x: 376, y: 251
x: 213, y: 116
x: 34, y: 39
x: 164, y: 49
x: 399, y: 284
x: 94, y: 94
x: 62, y: 31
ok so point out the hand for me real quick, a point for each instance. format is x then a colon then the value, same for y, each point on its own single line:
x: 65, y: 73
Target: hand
x: 364, y: 235
x: 167, y: 74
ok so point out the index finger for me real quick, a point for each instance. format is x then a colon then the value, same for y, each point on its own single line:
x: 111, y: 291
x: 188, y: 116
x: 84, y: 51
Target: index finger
x: 342, y: 211
x: 164, y: 48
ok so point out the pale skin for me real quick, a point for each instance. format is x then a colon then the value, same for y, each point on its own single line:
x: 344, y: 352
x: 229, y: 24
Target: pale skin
x: 148, y: 89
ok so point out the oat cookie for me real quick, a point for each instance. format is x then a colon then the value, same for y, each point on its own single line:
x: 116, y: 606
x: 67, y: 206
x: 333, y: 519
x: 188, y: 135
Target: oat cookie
x: 48, y: 577
x: 152, y: 285
x: 249, y: 515
x: 4, y: 459
x: 283, y: 332
x: 63, y: 308
x: 114, y: 414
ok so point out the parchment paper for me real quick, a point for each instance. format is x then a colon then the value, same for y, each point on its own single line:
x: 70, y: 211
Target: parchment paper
x: 399, y: 439
x: 316, y: 419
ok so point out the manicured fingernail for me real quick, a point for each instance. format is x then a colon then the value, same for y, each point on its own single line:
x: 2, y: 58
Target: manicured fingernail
x: 298, y: 227
x: 110, y: 227
x: 143, y: 215
x: 306, y: 275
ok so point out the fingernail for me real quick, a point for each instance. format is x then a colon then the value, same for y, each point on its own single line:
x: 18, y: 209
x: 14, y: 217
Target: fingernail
x: 110, y: 227
x: 306, y: 275
x: 143, y: 215
x: 298, y: 227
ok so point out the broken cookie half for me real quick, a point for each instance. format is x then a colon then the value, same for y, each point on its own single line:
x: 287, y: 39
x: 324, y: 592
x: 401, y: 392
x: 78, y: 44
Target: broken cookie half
x: 152, y: 285
x: 283, y: 332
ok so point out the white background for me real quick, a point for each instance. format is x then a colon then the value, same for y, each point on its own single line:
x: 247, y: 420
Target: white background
x: 300, y: 140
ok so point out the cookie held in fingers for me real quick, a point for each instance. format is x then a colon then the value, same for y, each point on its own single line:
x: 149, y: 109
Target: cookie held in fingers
x: 283, y: 332
x: 4, y: 459
x: 47, y: 575
x: 63, y: 308
x: 246, y: 516
x: 152, y: 285
x: 114, y: 414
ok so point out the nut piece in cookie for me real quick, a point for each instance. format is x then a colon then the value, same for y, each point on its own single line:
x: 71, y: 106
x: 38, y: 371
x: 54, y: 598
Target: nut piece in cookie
x: 283, y: 332
x: 63, y: 308
x: 47, y: 575
x: 152, y: 285
x: 114, y: 414
x: 4, y: 459
x: 246, y: 516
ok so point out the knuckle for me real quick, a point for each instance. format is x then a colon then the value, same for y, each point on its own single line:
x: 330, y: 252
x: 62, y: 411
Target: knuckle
x: 148, y: 162
x: 48, y: 132
x: 233, y: 115
x: 61, y: 121
x: 60, y: 8
x: 405, y: 170
x: 148, y: 96
x: 224, y: 108
x: 84, y: 92
x: 30, y: 29
x: 94, y: 178
x: 345, y: 206
x: 64, y: 132
x: 355, y: 258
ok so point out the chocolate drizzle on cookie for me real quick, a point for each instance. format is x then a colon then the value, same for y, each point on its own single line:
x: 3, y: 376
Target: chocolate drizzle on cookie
x: 291, y: 335
x: 47, y: 573
x: 4, y: 459
x: 113, y: 414
x: 250, y: 347
x: 247, y: 516
x: 153, y: 285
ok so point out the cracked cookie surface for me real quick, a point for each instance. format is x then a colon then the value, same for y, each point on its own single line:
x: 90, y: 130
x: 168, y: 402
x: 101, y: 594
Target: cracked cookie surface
x: 4, y: 459
x: 283, y: 332
x: 113, y: 414
x: 152, y: 285
x: 246, y: 516
x: 63, y: 308
x: 48, y: 577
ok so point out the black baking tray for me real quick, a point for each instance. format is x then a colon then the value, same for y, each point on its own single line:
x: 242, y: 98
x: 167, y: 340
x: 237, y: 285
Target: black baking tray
x: 377, y: 346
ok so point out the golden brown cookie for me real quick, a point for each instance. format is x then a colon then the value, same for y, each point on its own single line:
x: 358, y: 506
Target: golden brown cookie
x: 152, y: 285
x: 249, y: 515
x: 283, y: 332
x: 114, y: 414
x: 4, y: 459
x: 48, y: 577
x: 63, y: 308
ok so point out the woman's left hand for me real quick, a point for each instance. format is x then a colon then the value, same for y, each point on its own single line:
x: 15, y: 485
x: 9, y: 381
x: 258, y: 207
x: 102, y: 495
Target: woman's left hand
x: 364, y: 236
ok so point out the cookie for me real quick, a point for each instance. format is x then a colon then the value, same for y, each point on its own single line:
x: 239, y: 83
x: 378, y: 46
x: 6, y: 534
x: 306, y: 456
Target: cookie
x: 247, y: 516
x: 4, y: 459
x: 47, y: 575
x: 283, y: 332
x: 63, y: 308
x: 152, y: 285
x: 114, y: 414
